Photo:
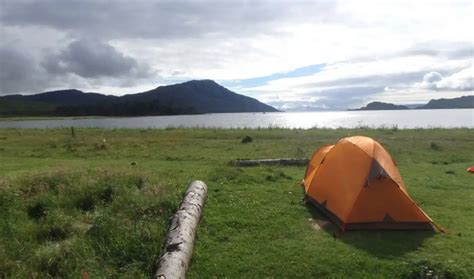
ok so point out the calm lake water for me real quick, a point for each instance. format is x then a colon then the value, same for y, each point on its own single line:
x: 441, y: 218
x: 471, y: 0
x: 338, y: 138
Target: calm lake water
x: 451, y: 118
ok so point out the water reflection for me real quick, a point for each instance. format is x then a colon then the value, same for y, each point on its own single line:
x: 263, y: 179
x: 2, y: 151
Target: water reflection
x: 305, y: 120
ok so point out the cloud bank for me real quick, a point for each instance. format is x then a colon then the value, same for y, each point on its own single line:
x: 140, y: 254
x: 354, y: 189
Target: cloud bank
x: 309, y: 55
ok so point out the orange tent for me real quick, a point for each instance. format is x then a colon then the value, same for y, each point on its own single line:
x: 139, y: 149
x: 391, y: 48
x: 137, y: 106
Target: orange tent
x: 357, y: 185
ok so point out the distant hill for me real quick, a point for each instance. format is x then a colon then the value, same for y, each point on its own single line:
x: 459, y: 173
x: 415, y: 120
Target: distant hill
x: 63, y: 97
x: 382, y: 106
x: 192, y: 97
x: 461, y: 102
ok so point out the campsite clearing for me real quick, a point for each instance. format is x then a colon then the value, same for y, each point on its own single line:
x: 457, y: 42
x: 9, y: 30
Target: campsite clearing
x: 98, y: 201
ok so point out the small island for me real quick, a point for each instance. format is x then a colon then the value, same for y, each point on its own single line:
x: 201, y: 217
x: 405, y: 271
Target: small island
x: 464, y: 102
x: 382, y: 106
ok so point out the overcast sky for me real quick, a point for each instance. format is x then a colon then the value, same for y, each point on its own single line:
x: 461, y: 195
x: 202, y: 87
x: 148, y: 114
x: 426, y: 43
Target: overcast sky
x: 321, y: 54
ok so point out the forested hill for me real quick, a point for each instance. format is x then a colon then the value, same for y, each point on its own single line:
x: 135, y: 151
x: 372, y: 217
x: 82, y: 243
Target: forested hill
x: 382, y: 106
x: 461, y: 102
x: 192, y: 97
x: 454, y: 103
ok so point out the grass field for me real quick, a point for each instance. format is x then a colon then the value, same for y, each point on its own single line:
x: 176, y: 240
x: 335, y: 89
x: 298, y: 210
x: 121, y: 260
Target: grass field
x: 98, y: 202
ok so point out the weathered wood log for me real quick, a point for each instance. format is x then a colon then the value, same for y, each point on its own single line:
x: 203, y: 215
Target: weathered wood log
x: 178, y: 248
x: 271, y: 162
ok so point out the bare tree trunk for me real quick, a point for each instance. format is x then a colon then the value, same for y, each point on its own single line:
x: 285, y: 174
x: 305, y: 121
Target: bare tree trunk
x: 271, y: 162
x: 178, y: 249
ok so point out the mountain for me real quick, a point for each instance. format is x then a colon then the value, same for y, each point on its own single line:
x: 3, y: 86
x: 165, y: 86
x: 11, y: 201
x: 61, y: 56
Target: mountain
x: 203, y: 96
x: 192, y: 97
x: 461, y: 102
x: 382, y: 106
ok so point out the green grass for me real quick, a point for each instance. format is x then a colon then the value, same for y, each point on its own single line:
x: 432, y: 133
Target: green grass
x: 70, y: 205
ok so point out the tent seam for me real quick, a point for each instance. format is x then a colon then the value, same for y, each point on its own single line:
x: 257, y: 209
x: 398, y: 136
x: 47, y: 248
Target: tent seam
x: 391, y: 178
x: 314, y: 153
x: 324, y: 157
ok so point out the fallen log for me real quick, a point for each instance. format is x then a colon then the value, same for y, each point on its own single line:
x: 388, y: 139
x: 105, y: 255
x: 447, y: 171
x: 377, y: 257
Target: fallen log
x: 270, y: 162
x: 178, y: 248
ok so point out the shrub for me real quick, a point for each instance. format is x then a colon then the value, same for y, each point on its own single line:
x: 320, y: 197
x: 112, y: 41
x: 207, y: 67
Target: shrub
x: 247, y: 139
x: 435, y: 146
x: 37, y: 211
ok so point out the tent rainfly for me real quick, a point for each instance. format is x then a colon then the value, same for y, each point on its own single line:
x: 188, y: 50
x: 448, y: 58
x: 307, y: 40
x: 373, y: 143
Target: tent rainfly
x: 357, y: 185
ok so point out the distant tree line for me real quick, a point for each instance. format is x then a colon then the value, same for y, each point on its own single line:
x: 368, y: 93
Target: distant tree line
x: 132, y: 108
x: 129, y: 108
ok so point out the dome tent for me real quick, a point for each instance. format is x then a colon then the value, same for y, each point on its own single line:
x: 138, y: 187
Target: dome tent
x: 357, y: 185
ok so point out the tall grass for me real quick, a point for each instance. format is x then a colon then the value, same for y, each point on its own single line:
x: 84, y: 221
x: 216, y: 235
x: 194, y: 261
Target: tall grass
x: 66, y: 222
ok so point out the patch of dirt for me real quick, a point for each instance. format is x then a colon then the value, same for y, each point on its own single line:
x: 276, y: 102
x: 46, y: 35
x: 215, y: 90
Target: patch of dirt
x: 321, y: 224
x: 314, y: 224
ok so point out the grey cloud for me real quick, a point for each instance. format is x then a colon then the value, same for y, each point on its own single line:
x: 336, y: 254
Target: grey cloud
x: 18, y: 71
x: 432, y: 77
x: 160, y: 19
x: 93, y: 59
x: 344, y: 97
x: 460, y: 81
x: 374, y: 80
x: 452, y: 50
x: 214, y: 22
x: 394, y: 80
x: 421, y: 51
x: 80, y: 65
x: 465, y: 52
